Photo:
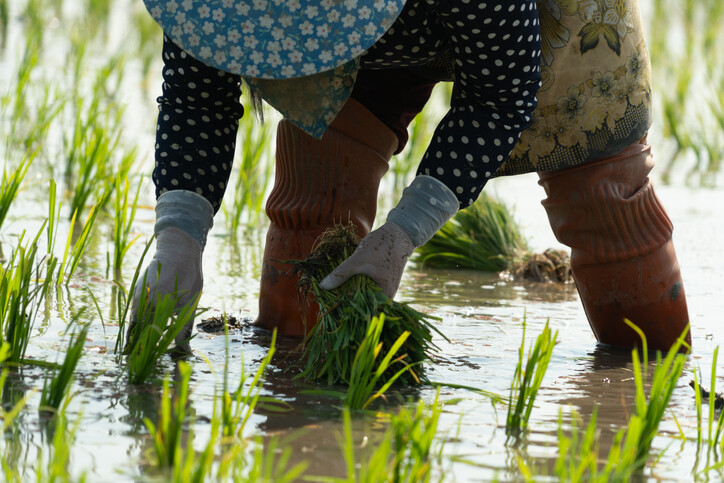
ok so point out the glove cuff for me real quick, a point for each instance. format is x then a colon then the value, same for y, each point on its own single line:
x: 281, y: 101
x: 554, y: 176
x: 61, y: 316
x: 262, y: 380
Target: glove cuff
x: 424, y: 207
x: 187, y: 211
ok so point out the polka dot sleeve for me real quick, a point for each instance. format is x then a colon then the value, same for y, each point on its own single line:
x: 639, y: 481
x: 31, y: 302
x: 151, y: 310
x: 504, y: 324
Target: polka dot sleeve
x: 199, y: 112
x: 496, y: 47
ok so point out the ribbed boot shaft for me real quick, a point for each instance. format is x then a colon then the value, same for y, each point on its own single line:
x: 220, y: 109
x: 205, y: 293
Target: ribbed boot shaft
x: 319, y: 182
x: 608, y: 210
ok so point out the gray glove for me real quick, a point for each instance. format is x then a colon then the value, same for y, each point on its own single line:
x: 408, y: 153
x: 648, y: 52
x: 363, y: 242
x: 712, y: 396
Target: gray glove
x: 424, y: 207
x: 183, y: 219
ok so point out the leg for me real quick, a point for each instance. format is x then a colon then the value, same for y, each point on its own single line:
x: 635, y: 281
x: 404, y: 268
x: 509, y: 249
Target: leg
x: 197, y: 123
x: 622, y: 254
x: 322, y: 182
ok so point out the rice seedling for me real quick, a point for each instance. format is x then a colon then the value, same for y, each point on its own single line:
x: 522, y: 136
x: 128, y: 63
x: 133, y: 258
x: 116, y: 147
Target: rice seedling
x: 578, y: 454
x: 269, y: 462
x: 714, y: 441
x: 34, y: 21
x: 631, y: 449
x: 20, y: 296
x: 74, y: 249
x: 345, y: 315
x: 167, y: 433
x: 527, y: 380
x: 123, y: 301
x: 4, y: 21
x: 17, y: 98
x: 13, y: 177
x: 156, y: 328
x: 55, y: 467
x: 238, y: 406
x: 8, y: 416
x: 55, y: 387
x: 404, y: 454
x: 482, y: 237
x: 253, y: 174
x: 367, y: 372
x: 124, y: 214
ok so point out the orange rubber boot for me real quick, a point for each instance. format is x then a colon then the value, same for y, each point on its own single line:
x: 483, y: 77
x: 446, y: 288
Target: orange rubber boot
x: 622, y: 254
x: 318, y: 183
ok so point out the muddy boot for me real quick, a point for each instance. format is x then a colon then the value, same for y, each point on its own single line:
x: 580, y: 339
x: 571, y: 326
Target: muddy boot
x: 622, y: 255
x: 318, y: 183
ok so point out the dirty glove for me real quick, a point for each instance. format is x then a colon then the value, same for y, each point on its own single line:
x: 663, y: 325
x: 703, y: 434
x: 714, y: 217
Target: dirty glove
x: 183, y: 219
x: 424, y: 207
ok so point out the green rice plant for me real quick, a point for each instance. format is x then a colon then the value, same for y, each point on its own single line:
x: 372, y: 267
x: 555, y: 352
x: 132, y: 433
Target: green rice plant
x: 55, y: 388
x: 35, y: 22
x: 714, y: 441
x: 414, y: 436
x: 527, y: 380
x: 482, y: 237
x: 167, y: 433
x: 13, y: 177
x: 632, y: 446
x: 74, y: 249
x: 578, y: 454
x: 93, y: 177
x: 238, y: 406
x: 8, y: 416
x: 404, y: 454
x: 123, y: 301
x: 16, y: 99
x: 4, y: 21
x: 55, y: 466
x: 157, y: 327
x: 21, y: 296
x: 253, y: 174
x: 124, y: 214
x: 345, y: 315
x: 367, y: 372
x: 269, y: 463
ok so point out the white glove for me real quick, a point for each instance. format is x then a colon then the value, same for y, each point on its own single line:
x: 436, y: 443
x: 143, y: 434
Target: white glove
x: 183, y: 219
x: 424, y: 207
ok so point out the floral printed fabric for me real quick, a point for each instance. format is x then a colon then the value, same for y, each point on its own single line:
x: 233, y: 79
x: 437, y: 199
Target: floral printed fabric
x: 275, y: 39
x: 596, y: 94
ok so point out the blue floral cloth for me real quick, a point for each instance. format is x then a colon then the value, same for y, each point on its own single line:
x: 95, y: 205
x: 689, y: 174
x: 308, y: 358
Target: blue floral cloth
x: 275, y: 39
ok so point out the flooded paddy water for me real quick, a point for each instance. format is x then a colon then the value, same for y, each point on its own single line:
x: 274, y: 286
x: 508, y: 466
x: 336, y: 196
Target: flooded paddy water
x: 482, y: 314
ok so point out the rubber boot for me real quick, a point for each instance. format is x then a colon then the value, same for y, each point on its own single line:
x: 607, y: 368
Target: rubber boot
x: 318, y: 184
x: 622, y: 254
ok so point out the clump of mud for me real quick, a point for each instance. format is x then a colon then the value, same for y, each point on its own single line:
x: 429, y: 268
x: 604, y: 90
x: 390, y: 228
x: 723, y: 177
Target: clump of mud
x: 215, y: 324
x: 550, y: 266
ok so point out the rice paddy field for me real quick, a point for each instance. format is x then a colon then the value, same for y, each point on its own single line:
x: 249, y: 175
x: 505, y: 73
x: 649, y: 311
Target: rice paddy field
x: 78, y: 82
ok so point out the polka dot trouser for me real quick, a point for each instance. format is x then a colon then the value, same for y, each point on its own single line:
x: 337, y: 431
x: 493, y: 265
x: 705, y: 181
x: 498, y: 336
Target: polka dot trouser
x: 496, y: 49
x: 199, y: 112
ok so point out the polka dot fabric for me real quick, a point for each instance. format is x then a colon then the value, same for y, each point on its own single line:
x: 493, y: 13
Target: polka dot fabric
x: 496, y: 50
x: 198, y: 119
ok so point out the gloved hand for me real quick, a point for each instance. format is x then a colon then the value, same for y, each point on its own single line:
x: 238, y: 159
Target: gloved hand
x: 183, y: 219
x: 424, y: 207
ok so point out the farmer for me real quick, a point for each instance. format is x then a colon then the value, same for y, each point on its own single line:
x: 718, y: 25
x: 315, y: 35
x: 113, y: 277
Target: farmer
x: 350, y: 75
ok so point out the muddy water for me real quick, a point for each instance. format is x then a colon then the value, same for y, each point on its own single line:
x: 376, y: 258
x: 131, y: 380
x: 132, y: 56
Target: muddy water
x: 481, y: 314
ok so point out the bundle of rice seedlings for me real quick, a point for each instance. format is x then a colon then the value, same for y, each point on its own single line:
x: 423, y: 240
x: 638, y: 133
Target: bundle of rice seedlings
x: 483, y: 236
x: 345, y: 314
